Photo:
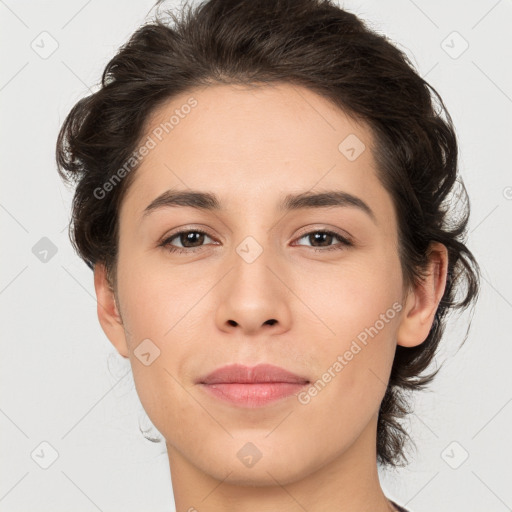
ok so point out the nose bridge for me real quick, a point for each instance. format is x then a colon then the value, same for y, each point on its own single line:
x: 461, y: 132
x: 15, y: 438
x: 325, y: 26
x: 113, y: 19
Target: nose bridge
x: 252, y: 295
x: 252, y: 259
x: 252, y: 245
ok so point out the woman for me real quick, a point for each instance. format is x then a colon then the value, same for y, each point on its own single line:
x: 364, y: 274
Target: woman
x: 263, y: 191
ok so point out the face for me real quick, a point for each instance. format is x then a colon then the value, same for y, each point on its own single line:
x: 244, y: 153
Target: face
x: 313, y: 287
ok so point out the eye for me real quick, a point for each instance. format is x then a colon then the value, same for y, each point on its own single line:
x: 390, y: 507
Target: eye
x: 190, y: 240
x: 324, y: 238
x: 193, y: 239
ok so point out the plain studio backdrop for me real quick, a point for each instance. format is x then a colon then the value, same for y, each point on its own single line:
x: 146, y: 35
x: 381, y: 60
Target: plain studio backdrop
x: 69, y: 414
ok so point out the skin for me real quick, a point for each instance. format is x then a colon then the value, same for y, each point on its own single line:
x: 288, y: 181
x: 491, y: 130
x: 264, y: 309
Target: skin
x: 209, y: 308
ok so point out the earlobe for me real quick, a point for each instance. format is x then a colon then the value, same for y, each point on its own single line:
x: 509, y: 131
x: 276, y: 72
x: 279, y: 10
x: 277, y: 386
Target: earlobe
x: 107, y: 310
x: 422, y: 301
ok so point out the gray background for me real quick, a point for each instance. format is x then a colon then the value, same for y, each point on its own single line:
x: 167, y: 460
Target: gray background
x: 62, y: 382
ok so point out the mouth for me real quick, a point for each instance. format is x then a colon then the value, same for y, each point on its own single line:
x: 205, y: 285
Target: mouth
x: 249, y: 387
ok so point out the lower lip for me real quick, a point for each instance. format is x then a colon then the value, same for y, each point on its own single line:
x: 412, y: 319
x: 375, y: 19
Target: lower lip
x: 253, y: 395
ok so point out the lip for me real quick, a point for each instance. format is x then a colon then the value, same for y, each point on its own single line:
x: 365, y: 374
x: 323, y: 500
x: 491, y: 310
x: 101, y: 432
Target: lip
x: 256, y: 386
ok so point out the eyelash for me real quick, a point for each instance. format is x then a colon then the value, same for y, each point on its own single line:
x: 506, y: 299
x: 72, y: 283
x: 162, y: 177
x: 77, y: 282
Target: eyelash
x: 180, y: 250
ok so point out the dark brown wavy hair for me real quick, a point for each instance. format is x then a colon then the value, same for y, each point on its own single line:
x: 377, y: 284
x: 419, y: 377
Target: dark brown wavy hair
x: 310, y: 43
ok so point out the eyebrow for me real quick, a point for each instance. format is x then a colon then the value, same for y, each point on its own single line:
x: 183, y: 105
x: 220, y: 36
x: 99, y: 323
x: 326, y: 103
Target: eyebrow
x: 209, y: 202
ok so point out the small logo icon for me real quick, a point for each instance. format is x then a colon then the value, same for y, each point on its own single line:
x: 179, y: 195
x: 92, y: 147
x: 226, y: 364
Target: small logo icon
x: 454, y: 45
x: 146, y: 352
x: 249, y: 454
x: 454, y: 455
x: 249, y: 249
x: 44, y: 45
x: 44, y: 455
x: 351, y: 147
x: 44, y: 250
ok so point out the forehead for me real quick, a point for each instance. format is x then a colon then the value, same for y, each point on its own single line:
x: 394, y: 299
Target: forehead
x: 252, y: 146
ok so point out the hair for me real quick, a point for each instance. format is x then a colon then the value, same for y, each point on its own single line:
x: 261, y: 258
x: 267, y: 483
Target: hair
x: 309, y: 43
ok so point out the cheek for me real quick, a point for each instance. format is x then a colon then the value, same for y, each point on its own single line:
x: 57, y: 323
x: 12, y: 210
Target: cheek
x: 154, y: 299
x: 157, y: 309
x: 353, y: 296
x: 360, y: 316
x: 353, y: 372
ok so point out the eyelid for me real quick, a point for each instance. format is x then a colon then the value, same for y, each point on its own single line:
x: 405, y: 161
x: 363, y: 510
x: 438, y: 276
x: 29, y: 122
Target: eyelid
x: 315, y: 228
x: 185, y: 229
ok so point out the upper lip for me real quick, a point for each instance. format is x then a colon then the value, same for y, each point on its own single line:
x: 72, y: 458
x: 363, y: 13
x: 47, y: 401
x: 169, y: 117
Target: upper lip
x: 238, y: 373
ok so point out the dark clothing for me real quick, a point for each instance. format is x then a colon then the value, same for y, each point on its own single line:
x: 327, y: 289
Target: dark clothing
x: 401, y: 509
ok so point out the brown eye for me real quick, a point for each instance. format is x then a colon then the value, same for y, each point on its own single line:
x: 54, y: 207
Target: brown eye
x: 324, y: 238
x: 190, y: 240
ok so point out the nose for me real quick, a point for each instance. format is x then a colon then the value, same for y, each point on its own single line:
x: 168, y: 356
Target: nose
x: 253, y: 298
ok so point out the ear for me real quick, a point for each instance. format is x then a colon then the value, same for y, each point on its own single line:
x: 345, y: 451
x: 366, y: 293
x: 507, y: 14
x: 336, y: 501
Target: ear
x: 108, y: 313
x: 422, y: 302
